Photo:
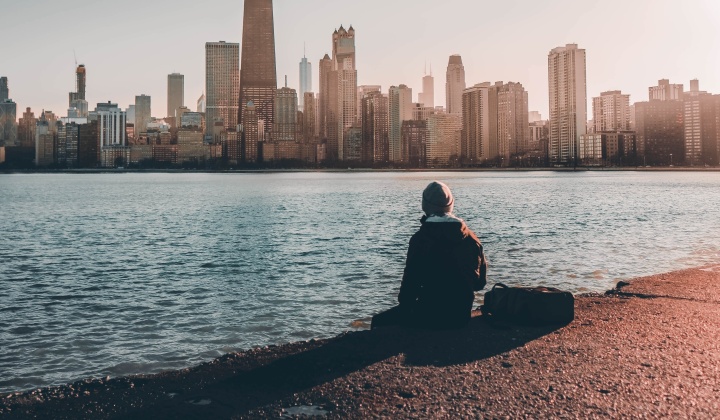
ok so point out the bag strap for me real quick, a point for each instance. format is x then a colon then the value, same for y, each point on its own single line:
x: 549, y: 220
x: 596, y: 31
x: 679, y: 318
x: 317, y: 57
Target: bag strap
x: 500, y: 285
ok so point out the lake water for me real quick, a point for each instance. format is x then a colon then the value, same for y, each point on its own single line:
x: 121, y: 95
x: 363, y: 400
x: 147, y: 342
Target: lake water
x: 114, y: 274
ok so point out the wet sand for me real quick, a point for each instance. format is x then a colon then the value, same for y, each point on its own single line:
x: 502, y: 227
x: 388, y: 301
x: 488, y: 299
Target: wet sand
x: 649, y: 348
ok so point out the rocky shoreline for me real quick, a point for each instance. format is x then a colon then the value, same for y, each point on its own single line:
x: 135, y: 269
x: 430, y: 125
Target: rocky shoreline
x: 646, y: 349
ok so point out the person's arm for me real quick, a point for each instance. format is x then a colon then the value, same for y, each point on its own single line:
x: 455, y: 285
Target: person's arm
x: 481, y: 280
x: 410, y: 286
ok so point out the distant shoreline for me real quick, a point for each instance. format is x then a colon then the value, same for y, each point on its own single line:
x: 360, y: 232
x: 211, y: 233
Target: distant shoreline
x: 353, y: 170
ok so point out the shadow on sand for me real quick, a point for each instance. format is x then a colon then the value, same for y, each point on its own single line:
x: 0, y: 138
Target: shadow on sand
x: 281, y: 379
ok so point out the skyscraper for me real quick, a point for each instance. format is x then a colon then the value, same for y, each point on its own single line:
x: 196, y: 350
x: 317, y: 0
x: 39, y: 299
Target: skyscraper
x: 77, y: 100
x: 222, y: 85
x: 665, y: 91
x: 305, y: 81
x: 342, y: 92
x: 427, y: 96
x: 611, y: 112
x: 176, y: 94
x: 513, y: 127
x: 702, y: 126
x: 479, y: 133
x: 401, y: 109
x: 258, y: 77
x: 8, y: 115
x: 568, y: 102
x: 201, y: 103
x: 455, y: 85
x: 443, y: 139
x: 362, y: 91
x: 375, y: 145
x: 310, y: 118
x: 4, y: 90
x: 143, y: 114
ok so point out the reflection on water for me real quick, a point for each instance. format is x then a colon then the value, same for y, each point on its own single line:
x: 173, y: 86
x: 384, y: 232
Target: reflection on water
x: 118, y: 274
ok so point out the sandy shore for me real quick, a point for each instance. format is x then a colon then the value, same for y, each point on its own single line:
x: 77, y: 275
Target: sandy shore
x: 648, y: 349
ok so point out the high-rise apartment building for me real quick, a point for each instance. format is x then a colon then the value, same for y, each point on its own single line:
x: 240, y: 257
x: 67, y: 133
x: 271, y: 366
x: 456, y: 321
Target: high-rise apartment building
x: 375, y: 139
x: 480, y: 118
x: 45, y: 133
x: 665, y: 91
x: 427, y: 96
x: 455, y: 85
x: 362, y: 91
x: 258, y: 75
x: 250, y: 136
x: 222, y: 85
x: 286, y: 104
x: 611, y: 112
x: 443, y: 141
x: 400, y: 110
x: 702, y: 126
x: 512, y: 124
x: 26, y: 129
x: 305, y: 81
x: 310, y: 119
x: 568, y: 102
x: 143, y: 114
x: 414, y: 138
x: 175, y: 94
x: 659, y: 125
x: 326, y: 67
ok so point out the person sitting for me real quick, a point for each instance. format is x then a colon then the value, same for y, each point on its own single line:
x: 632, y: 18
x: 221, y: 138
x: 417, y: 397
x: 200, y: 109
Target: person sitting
x: 445, y: 265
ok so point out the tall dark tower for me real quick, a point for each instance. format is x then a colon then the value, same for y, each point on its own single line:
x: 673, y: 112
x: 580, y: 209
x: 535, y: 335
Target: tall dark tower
x: 258, y: 77
x: 80, y: 82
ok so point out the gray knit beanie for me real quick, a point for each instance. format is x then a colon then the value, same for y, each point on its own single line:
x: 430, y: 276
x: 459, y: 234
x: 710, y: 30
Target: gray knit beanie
x: 437, y: 199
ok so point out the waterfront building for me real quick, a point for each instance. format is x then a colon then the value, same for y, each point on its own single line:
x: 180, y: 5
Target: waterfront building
x: 191, y: 145
x: 660, y: 129
x: 414, y: 139
x: 305, y: 81
x: 113, y: 142
x: 568, y: 102
x: 143, y: 114
x: 611, y: 112
x: 26, y: 129
x: 590, y: 149
x: 67, y: 145
x: 702, y: 126
x: 222, y: 85
x: 175, y: 94
x: 258, y: 77
x: 354, y: 144
x: 375, y: 127
x: 400, y: 110
x: 665, y: 91
x: 513, y: 139
x: 479, y: 124
x: 8, y: 122
x: 427, y: 96
x: 8, y: 115
x: 45, y: 132
x: 88, y: 155
x: 286, y: 104
x: 310, y: 119
x: 443, y: 141
x: 455, y: 85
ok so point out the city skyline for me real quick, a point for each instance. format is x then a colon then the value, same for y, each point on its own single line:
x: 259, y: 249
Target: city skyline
x: 627, y: 60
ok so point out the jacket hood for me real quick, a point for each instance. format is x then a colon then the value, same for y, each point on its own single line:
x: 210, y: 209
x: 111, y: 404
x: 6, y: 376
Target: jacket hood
x: 446, y: 228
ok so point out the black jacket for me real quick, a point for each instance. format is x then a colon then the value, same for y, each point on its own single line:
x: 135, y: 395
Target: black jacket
x: 445, y: 265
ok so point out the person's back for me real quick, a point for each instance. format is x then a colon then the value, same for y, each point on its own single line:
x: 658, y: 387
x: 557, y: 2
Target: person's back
x: 445, y: 265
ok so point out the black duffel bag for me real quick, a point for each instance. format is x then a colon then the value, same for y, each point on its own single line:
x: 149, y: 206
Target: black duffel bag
x: 529, y: 305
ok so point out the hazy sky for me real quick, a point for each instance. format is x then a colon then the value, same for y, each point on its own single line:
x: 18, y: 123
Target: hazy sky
x: 129, y: 47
